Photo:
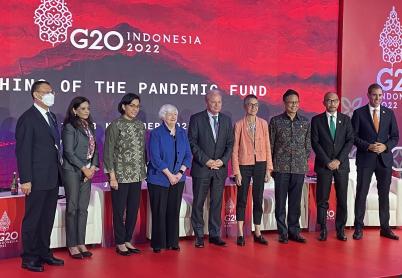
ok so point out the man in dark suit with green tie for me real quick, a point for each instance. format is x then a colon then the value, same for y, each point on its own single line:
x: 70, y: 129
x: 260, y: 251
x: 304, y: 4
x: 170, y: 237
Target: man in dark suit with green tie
x: 331, y: 139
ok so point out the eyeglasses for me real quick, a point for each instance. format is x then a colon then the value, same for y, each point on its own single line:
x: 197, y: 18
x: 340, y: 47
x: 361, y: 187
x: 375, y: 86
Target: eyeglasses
x: 252, y: 105
x: 330, y: 101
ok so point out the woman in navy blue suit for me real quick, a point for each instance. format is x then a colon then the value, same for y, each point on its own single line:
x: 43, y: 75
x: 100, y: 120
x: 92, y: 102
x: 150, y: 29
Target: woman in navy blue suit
x: 170, y: 156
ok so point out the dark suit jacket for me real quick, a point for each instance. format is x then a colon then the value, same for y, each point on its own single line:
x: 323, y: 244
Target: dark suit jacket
x: 37, y: 157
x: 365, y: 134
x: 75, y: 148
x: 327, y: 149
x: 203, y: 145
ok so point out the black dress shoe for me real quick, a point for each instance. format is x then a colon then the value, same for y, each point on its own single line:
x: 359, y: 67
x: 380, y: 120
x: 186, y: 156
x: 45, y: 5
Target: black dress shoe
x: 358, y: 234
x: 86, y: 254
x: 297, y: 238
x: 389, y: 234
x: 51, y: 260
x: 199, y: 242
x: 78, y: 256
x: 157, y: 250
x: 174, y: 248
x: 323, y: 235
x: 240, y: 241
x: 33, y: 266
x: 122, y: 253
x: 260, y: 239
x: 217, y: 241
x: 341, y: 236
x: 133, y: 250
x: 283, y: 239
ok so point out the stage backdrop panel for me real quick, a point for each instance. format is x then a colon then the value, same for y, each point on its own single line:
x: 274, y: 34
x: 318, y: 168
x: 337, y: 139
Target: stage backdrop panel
x: 165, y: 51
x: 371, y: 52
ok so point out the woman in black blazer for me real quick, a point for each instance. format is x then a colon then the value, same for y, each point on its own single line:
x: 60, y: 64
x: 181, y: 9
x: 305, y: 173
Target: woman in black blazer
x: 80, y: 161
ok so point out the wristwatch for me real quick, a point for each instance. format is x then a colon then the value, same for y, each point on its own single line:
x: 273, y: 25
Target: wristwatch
x: 181, y: 171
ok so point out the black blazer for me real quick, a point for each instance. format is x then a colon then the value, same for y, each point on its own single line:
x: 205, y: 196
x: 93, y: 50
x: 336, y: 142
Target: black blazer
x: 365, y: 134
x: 327, y: 149
x: 203, y: 145
x: 75, y: 148
x: 37, y: 157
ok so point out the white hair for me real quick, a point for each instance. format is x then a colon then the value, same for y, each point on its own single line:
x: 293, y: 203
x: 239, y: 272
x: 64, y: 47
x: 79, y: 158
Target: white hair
x: 167, y: 108
x: 213, y: 92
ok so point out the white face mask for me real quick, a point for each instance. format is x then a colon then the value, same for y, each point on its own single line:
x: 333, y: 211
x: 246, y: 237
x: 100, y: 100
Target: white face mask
x: 48, y: 99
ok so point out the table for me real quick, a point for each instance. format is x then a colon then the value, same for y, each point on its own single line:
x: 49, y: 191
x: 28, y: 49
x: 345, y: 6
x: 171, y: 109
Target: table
x: 12, y: 208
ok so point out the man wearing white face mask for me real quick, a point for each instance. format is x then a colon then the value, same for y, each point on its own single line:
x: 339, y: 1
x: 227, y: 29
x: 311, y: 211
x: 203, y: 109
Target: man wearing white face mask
x: 39, y: 167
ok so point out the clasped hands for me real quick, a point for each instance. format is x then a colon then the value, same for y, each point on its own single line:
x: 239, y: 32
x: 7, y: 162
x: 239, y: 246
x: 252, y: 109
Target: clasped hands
x: 174, y: 178
x: 333, y: 164
x: 88, y: 172
x: 377, y: 147
x: 214, y: 164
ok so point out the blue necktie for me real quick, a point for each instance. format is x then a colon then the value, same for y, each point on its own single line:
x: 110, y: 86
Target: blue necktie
x: 216, y: 126
x: 54, y: 129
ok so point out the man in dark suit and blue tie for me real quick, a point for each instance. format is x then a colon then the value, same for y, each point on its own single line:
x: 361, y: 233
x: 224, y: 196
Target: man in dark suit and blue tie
x: 332, y: 139
x: 39, y: 167
x: 376, y: 133
x: 211, y: 140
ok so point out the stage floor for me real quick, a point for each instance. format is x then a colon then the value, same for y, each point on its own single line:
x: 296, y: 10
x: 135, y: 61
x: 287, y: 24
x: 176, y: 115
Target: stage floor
x: 371, y: 257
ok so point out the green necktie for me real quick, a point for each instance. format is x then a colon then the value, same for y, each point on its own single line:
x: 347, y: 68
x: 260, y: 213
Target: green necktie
x: 332, y: 127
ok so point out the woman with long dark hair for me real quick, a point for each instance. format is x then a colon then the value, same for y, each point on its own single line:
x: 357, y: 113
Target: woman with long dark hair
x: 80, y: 161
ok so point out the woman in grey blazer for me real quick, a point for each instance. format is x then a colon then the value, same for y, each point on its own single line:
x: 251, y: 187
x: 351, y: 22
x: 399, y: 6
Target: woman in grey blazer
x: 80, y: 161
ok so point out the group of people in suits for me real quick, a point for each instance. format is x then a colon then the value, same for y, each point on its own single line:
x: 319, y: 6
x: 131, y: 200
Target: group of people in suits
x: 259, y: 151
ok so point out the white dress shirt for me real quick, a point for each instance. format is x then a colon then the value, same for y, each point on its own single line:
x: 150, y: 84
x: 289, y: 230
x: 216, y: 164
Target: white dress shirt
x: 211, y: 122
x: 377, y: 112
x: 329, y: 118
x: 43, y: 112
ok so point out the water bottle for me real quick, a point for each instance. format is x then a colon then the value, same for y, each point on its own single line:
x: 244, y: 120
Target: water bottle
x: 14, y: 185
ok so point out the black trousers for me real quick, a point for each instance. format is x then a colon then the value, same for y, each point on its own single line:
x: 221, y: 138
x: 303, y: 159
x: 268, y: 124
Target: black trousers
x: 37, y: 225
x: 288, y: 186
x: 125, y: 199
x: 215, y: 184
x: 165, y: 205
x: 78, y: 194
x: 364, y: 175
x: 257, y: 172
x: 323, y: 189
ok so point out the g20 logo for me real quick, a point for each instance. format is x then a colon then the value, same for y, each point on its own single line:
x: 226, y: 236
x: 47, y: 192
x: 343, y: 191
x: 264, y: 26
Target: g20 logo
x: 111, y: 40
x: 230, y: 218
x: 5, y: 237
x: 330, y: 214
x: 96, y: 40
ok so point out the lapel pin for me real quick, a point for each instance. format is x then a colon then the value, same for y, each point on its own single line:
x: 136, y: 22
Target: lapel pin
x: 383, y: 112
x: 340, y: 122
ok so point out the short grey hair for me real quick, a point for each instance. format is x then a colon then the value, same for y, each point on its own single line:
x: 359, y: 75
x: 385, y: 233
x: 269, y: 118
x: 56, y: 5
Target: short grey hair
x: 213, y: 92
x: 167, y: 108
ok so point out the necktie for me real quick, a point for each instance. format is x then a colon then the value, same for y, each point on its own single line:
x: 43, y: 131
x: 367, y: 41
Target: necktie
x: 376, y: 121
x: 332, y: 127
x: 216, y: 126
x: 54, y: 129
